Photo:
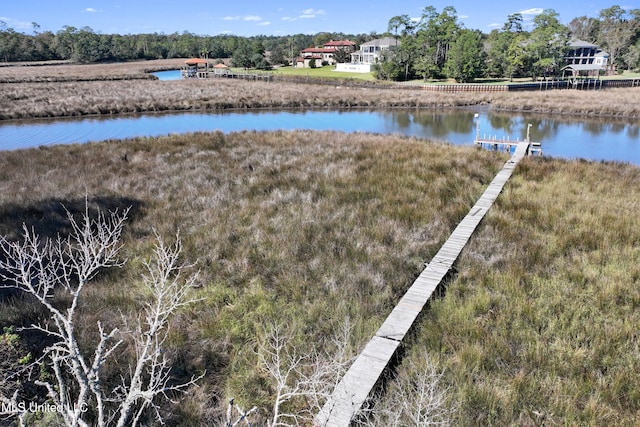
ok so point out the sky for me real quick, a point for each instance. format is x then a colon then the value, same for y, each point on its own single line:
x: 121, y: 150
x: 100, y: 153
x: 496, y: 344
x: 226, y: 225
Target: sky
x: 270, y: 17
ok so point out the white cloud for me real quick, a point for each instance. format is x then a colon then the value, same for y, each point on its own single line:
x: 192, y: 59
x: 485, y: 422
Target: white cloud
x: 92, y: 10
x: 289, y: 19
x: 252, y: 18
x: 311, y: 13
x: 15, y: 24
x: 264, y: 24
x: 532, y: 11
x: 231, y: 18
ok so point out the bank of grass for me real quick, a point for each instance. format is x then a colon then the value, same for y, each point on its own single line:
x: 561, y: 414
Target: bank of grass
x: 111, y: 89
x: 64, y: 71
x: 301, y: 228
x: 540, y: 327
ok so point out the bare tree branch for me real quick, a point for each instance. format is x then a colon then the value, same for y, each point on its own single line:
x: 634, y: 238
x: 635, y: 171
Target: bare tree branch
x: 38, y: 268
x: 302, y: 382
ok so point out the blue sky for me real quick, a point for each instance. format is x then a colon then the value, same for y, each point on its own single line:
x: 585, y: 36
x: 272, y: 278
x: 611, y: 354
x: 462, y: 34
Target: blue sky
x: 269, y: 17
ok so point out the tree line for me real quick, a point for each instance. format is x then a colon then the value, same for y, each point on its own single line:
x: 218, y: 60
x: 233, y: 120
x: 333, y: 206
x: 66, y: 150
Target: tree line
x: 438, y: 46
x: 86, y: 45
x: 432, y: 47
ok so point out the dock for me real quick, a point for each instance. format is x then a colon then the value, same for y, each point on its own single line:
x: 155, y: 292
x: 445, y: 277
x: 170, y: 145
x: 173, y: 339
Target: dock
x: 351, y: 393
x: 505, y: 143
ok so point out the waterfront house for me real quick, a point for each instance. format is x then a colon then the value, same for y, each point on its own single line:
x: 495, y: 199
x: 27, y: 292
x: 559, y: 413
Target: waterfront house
x: 585, y: 58
x: 324, y: 54
x: 368, y: 55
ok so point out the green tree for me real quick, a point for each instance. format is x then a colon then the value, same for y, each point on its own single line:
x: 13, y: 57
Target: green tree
x: 436, y: 33
x: 278, y: 55
x: 517, y: 58
x: 547, y: 44
x: 403, y: 53
x: 341, y: 55
x: 584, y: 28
x: 389, y: 68
x: 9, y: 42
x: 242, y: 56
x: 618, y: 30
x: 465, y: 61
x: 321, y: 38
x: 259, y: 62
x: 632, y: 57
x: 66, y: 43
x: 498, y: 62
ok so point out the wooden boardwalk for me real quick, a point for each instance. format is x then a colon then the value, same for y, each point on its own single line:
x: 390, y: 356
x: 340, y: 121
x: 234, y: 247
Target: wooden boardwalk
x: 361, y: 378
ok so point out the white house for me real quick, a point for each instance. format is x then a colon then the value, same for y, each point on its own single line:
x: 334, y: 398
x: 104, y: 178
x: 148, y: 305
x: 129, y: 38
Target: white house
x: 368, y: 55
x: 585, y: 58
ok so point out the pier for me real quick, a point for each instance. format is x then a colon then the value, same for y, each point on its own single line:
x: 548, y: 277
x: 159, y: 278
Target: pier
x: 351, y: 393
x: 504, y: 143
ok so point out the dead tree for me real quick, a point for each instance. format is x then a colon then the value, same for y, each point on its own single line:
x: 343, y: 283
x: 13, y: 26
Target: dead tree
x: 41, y: 268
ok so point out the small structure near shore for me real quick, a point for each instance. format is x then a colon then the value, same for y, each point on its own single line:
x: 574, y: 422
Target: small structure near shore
x: 505, y: 144
x: 195, y: 68
x: 198, y: 68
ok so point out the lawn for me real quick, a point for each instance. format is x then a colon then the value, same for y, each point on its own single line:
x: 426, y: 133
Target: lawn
x: 323, y: 72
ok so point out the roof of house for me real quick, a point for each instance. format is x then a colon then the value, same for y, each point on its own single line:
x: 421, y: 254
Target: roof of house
x: 577, y: 43
x: 194, y: 61
x: 318, y: 50
x: 306, y: 58
x: 385, y: 41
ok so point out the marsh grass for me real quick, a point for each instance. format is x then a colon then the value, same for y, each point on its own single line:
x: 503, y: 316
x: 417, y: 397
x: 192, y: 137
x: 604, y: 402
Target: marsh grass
x: 541, y: 324
x: 302, y: 228
x: 108, y: 89
x: 46, y: 72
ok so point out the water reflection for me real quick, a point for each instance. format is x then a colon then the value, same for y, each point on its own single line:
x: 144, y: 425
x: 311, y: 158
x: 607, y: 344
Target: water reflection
x: 442, y: 124
x: 596, y: 139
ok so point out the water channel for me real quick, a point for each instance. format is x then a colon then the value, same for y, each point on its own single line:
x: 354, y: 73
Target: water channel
x: 590, y: 139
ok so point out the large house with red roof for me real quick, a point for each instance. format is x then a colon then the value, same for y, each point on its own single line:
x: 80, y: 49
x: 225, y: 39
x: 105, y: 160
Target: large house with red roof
x: 324, y: 54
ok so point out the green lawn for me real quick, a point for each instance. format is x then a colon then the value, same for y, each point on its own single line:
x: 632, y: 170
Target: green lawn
x: 329, y: 72
x: 323, y: 72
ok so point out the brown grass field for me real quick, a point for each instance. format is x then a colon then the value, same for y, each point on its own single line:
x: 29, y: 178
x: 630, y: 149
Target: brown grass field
x: 107, y: 89
x: 537, y: 325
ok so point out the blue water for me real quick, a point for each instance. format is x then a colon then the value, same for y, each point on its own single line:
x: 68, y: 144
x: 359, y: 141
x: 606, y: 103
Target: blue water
x: 588, y: 139
x: 168, y: 75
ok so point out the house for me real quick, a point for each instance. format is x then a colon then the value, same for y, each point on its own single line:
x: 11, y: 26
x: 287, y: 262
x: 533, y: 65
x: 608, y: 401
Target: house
x: 324, y: 54
x: 305, y: 61
x: 585, y: 58
x: 368, y: 55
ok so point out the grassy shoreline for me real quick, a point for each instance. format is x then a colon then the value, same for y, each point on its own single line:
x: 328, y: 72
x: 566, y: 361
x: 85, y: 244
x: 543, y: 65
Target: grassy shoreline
x: 112, y: 89
x: 537, y: 326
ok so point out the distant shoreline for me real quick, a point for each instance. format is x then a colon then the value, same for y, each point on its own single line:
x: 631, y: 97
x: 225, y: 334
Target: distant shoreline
x: 63, y: 90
